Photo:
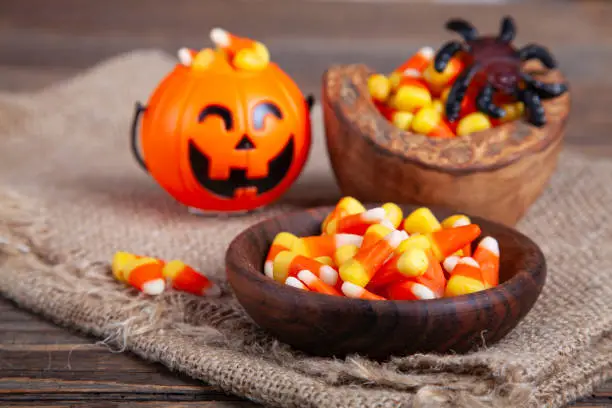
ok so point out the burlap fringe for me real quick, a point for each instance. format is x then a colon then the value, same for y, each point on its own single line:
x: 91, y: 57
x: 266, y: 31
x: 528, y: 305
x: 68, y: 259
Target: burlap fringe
x: 25, y: 236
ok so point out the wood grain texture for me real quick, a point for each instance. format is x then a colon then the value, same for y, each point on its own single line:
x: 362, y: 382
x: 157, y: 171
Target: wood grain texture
x: 459, y: 173
x: 336, y: 326
x: 42, y: 42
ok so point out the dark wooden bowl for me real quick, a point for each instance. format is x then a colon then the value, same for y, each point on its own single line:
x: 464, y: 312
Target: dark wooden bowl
x: 496, y: 174
x: 329, y: 325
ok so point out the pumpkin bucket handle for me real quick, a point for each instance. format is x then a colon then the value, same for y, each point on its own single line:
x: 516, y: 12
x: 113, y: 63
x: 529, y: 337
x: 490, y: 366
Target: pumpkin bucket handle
x: 310, y: 101
x: 139, y: 109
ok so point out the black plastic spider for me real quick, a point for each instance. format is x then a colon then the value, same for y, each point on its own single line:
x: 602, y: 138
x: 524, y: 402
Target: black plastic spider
x: 496, y: 64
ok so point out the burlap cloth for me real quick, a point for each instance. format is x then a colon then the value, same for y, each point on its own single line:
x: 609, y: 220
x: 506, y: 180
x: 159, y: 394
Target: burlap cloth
x: 71, y: 195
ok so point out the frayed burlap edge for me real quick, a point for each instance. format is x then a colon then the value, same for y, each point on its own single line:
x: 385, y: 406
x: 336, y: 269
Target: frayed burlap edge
x: 82, y: 295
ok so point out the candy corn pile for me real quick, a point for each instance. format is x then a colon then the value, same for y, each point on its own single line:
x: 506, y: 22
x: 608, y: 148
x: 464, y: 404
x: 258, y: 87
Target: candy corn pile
x: 241, y: 53
x: 376, y: 254
x: 152, y: 276
x: 413, y: 98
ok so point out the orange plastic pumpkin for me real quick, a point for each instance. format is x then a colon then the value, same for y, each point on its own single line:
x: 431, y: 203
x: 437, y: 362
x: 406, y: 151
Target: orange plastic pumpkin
x: 219, y: 138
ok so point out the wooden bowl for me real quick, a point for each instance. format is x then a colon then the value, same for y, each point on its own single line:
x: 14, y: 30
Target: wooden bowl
x: 496, y: 174
x: 336, y: 326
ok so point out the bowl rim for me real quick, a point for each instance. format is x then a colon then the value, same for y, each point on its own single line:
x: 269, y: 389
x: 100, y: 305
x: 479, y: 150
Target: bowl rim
x: 343, y: 111
x: 471, y: 301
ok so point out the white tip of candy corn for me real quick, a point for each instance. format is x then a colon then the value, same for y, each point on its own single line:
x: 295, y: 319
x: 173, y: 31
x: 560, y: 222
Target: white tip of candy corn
x: 427, y: 52
x: 450, y: 263
x: 466, y: 260
x: 212, y: 291
x: 422, y: 292
x: 184, y: 56
x: 328, y: 275
x: 405, y: 235
x: 461, y: 222
x: 375, y: 214
x: 154, y: 287
x: 295, y: 283
x: 269, y: 269
x: 348, y: 239
x: 388, y: 224
x: 490, y: 244
x: 412, y: 73
x: 351, y: 290
x: 220, y: 37
x: 394, y: 238
x: 306, y: 276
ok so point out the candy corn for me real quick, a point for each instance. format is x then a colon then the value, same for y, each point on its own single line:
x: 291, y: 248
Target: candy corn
x: 459, y: 221
x: 283, y: 241
x: 296, y: 283
x: 315, y: 284
x: 325, y: 260
x: 325, y: 245
x: 414, y: 98
x: 421, y: 221
x: 446, y: 242
x: 344, y: 253
x: 375, y: 233
x: 402, y: 120
x: 360, y: 269
x: 487, y: 255
x: 411, y: 96
x: 417, y: 63
x: 466, y: 278
x: 354, y: 291
x: 346, y: 206
x: 361, y: 254
x: 288, y: 263
x: 393, y: 213
x: 357, y: 223
x: 390, y: 271
x: 243, y: 53
x: 120, y: 261
x: 428, y: 121
x: 472, y: 123
x: 439, y: 80
x: 379, y: 87
x: 153, y: 276
x: 184, y: 278
x: 450, y: 262
x: 145, y: 274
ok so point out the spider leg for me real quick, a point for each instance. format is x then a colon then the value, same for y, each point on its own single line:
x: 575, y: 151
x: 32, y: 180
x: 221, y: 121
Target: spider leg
x: 534, y: 51
x: 485, y: 104
x: 533, y: 107
x: 463, y: 28
x: 507, y: 31
x: 445, y: 53
x: 457, y: 92
x: 543, y: 89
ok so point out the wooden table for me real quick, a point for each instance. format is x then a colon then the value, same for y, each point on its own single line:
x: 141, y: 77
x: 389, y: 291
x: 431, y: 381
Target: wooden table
x: 42, y: 41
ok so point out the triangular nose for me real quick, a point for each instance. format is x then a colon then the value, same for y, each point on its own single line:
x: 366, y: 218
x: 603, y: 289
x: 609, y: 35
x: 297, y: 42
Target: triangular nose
x: 245, y: 144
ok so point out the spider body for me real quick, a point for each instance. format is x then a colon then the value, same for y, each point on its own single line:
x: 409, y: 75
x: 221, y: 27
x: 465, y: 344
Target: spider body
x: 494, y: 66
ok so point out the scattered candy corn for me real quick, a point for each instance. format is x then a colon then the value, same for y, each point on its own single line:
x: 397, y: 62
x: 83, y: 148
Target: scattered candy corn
x: 413, y: 98
x: 383, y: 254
x: 230, y: 50
x: 153, y: 276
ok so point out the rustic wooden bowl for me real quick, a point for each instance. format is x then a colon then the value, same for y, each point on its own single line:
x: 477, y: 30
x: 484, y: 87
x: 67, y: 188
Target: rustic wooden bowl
x: 336, y: 326
x: 496, y: 174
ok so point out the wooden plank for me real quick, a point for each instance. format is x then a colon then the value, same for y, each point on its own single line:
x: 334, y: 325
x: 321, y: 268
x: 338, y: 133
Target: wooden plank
x: 67, y: 403
x: 57, y: 358
x: 15, y: 387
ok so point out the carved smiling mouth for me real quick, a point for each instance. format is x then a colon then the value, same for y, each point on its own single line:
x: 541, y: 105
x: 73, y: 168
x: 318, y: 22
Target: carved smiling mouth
x: 277, y: 169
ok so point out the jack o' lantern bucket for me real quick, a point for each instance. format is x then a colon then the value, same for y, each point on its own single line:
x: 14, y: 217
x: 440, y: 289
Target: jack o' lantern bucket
x: 226, y: 130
